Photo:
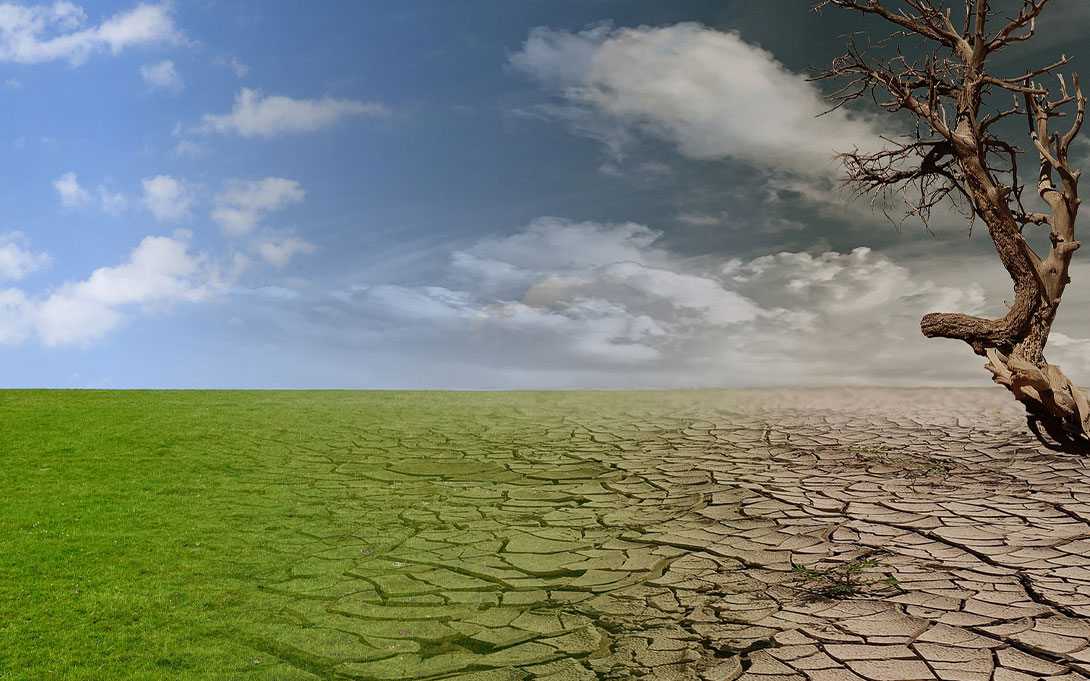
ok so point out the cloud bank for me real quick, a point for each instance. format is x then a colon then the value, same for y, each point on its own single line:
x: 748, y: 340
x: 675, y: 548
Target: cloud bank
x: 709, y: 93
x: 32, y: 34
x: 586, y: 304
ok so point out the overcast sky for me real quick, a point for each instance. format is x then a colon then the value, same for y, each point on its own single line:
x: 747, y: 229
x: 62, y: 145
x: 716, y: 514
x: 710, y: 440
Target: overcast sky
x: 472, y: 194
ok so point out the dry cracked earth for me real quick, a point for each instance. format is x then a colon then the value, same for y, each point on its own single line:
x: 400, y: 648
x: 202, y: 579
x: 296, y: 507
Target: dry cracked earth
x: 885, y: 535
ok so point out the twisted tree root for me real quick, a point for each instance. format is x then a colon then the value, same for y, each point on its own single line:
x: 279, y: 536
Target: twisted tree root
x: 1048, y: 395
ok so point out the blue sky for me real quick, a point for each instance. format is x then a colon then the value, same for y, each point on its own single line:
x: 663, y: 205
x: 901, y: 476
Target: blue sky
x: 426, y: 194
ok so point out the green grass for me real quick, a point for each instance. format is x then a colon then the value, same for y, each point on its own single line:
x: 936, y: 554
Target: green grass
x: 123, y: 552
x: 155, y: 535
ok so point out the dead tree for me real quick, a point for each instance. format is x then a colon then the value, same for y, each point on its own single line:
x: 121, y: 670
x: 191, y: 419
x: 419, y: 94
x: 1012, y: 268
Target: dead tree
x: 934, y: 70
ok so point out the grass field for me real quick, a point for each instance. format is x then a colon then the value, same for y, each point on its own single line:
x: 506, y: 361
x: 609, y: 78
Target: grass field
x: 305, y: 535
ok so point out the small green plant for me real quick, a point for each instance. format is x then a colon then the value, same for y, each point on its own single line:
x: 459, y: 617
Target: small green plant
x: 840, y: 581
x: 874, y: 449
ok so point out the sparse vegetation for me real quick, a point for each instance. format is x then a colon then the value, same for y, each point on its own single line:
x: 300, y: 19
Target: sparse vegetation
x: 843, y: 580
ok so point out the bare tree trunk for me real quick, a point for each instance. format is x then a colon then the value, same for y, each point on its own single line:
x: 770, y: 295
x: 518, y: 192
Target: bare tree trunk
x: 1014, y: 344
x: 955, y: 155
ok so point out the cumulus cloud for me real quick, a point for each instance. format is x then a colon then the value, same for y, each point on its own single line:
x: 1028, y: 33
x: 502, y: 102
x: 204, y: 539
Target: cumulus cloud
x: 166, y: 197
x: 849, y: 318
x: 568, y: 304
x: 241, y: 204
x: 16, y: 261
x: 31, y: 34
x: 111, y: 202
x: 70, y: 192
x: 158, y: 273
x: 279, y: 253
x: 710, y: 93
x: 258, y: 115
x: 73, y: 195
x: 162, y: 76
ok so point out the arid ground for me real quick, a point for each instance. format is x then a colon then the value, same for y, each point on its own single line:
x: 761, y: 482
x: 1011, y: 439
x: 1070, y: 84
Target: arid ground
x: 829, y: 535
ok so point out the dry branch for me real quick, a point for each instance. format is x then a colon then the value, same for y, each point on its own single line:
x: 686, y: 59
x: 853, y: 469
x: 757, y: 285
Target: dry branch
x: 956, y: 155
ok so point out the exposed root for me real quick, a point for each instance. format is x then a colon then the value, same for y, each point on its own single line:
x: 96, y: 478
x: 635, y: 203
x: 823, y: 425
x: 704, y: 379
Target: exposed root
x: 1052, y: 401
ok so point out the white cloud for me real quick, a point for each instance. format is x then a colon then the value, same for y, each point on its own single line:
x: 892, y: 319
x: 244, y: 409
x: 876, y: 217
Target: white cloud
x: 550, y: 245
x: 566, y: 304
x: 17, y: 262
x: 71, y: 193
x: 112, y: 202
x: 16, y: 316
x: 74, y: 195
x: 162, y: 76
x: 166, y: 197
x: 608, y: 289
x: 143, y: 25
x: 42, y: 33
x: 256, y: 114
x: 279, y: 253
x: 708, y: 92
x: 159, y: 273
x: 242, y: 203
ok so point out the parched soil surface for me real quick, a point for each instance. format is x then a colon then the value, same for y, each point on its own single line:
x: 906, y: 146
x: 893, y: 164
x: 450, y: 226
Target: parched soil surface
x: 888, y: 535
x: 823, y: 535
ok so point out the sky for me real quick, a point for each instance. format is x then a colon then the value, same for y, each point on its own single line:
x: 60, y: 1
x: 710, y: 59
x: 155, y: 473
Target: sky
x: 475, y: 195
